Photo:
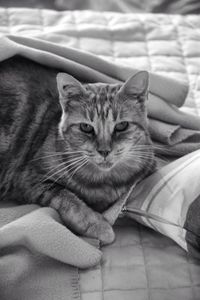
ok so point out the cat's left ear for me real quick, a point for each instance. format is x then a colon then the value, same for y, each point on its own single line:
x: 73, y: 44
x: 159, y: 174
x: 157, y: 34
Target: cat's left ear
x: 137, y: 84
x: 68, y: 88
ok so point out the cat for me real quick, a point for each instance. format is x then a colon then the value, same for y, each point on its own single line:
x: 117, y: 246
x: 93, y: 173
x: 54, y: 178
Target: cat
x: 74, y: 147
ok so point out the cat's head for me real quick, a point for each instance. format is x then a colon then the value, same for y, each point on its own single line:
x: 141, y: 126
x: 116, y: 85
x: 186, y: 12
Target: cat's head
x: 104, y: 128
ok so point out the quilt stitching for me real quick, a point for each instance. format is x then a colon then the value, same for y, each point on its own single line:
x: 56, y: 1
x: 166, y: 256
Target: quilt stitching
x: 8, y: 21
x: 181, y: 46
x: 78, y: 42
x: 146, y: 46
x: 41, y: 19
x: 191, y: 280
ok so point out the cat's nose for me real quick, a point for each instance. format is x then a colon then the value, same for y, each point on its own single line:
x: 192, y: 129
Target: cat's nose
x: 104, y: 153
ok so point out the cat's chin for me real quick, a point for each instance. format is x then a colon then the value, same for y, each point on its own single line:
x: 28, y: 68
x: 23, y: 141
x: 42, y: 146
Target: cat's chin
x: 105, y: 165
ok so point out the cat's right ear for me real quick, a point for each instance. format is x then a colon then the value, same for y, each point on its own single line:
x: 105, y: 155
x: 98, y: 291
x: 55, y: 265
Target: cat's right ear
x: 68, y: 88
x: 137, y: 84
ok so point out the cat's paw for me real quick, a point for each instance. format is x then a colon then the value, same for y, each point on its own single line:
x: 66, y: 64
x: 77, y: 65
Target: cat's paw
x: 84, y: 221
x: 102, y: 231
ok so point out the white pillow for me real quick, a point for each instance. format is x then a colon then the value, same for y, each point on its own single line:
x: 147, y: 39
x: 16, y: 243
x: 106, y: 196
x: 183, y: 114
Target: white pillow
x: 169, y: 202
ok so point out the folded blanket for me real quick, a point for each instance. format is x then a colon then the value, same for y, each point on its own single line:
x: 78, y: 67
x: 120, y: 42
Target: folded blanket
x: 90, y: 68
x: 36, y: 252
x: 174, y: 132
x: 173, y: 140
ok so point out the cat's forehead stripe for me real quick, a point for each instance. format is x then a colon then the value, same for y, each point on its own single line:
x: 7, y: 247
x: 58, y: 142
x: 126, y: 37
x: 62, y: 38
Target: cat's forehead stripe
x: 101, y: 97
x: 103, y: 106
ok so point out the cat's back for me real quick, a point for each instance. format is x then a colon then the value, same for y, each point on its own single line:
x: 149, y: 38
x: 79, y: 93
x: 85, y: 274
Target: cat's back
x: 21, y: 77
x: 28, y: 98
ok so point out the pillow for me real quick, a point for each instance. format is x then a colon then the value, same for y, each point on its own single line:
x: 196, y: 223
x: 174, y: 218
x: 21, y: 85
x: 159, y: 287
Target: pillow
x: 169, y: 202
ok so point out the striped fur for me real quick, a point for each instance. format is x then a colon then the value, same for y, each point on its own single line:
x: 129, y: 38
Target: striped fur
x: 46, y: 158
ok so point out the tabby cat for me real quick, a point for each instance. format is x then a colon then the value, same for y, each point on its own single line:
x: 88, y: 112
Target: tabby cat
x: 74, y: 147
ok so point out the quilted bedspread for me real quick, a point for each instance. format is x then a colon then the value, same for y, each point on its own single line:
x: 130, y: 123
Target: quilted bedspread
x: 141, y: 264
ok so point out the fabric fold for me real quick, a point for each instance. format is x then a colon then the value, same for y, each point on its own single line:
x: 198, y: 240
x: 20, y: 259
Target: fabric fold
x: 159, y: 109
x: 86, y: 66
x: 41, y: 231
x: 170, y: 134
x: 36, y: 252
x: 173, y: 91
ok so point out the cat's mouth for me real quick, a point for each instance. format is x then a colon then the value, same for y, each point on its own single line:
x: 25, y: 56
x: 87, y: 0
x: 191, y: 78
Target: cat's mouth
x: 105, y: 164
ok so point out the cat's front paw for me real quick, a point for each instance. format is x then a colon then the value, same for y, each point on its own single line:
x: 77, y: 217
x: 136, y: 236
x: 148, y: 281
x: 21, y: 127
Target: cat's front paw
x: 102, y: 231
x: 83, y: 220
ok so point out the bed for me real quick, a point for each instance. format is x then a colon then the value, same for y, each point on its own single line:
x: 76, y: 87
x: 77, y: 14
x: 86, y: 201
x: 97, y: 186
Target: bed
x: 141, y: 264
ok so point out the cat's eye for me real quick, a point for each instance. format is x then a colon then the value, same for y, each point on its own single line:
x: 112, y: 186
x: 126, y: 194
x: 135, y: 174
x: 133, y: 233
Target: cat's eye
x: 122, y: 126
x: 87, y: 128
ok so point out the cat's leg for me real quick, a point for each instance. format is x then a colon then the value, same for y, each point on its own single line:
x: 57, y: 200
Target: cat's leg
x: 75, y: 214
x: 73, y: 211
x: 80, y: 218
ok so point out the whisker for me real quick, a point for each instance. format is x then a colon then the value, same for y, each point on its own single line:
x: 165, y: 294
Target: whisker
x: 140, y: 155
x: 135, y: 152
x: 75, y: 171
x: 57, y: 154
x: 66, y: 151
x: 64, y: 163
x: 157, y: 149
x: 67, y: 170
x: 139, y: 160
x: 164, y: 148
x: 162, y: 159
x: 46, y: 156
x: 78, y: 164
x: 67, y: 166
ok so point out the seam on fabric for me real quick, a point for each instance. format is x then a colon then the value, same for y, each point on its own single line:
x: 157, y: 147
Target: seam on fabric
x: 41, y: 19
x: 112, y: 41
x: 190, y: 275
x: 184, y: 57
x: 145, y: 263
x: 75, y: 284
x: 102, y: 281
x: 144, y: 289
x: 142, y: 22
x: 165, y: 182
x: 7, y: 11
x: 153, y: 55
x: 77, y: 34
x: 169, y: 177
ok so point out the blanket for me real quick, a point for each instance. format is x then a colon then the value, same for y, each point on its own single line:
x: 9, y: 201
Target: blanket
x: 31, y: 268
x: 35, y: 248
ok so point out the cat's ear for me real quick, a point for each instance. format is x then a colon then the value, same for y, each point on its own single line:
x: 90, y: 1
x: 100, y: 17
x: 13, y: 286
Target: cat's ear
x: 137, y: 84
x: 68, y: 87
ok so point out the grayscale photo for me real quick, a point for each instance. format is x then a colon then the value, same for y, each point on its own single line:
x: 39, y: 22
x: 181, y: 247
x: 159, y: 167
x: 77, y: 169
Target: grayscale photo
x: 99, y: 150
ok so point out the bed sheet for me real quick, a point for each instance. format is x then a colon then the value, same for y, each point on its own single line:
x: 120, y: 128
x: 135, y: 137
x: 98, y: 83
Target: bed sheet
x: 141, y: 264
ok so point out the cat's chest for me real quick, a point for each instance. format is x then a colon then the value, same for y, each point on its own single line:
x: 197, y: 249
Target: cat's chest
x: 99, y: 197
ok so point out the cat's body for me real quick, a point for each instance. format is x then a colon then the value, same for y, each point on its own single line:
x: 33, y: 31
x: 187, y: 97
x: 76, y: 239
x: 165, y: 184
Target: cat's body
x: 63, y: 153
